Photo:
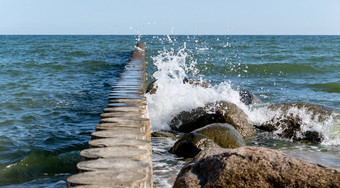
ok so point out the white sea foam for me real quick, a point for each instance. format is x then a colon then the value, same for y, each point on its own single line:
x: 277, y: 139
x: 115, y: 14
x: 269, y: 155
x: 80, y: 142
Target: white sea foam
x: 174, y: 96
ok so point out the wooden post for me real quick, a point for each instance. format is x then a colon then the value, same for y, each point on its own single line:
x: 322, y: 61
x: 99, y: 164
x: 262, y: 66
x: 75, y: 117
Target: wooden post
x: 120, y: 150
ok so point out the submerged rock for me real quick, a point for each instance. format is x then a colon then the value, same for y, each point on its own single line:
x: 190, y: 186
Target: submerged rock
x: 164, y: 134
x: 247, y: 98
x: 211, y: 136
x: 253, y: 167
x: 152, y: 89
x: 317, y: 112
x: 289, y: 122
x: 220, y: 112
x: 194, y: 82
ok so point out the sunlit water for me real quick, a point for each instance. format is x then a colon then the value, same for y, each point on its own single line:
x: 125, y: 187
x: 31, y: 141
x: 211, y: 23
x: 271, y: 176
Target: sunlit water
x: 276, y: 69
x: 52, y: 92
x: 53, y: 88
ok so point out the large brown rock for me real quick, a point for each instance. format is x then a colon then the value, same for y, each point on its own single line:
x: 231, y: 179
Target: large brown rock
x: 253, y: 167
x: 219, y: 112
x: 235, y: 116
x: 188, y: 121
x: 190, y: 144
x: 223, y: 134
x: 290, y: 122
x: 211, y: 136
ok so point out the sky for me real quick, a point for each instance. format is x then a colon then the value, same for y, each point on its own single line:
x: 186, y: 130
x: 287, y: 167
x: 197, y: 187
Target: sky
x: 198, y: 17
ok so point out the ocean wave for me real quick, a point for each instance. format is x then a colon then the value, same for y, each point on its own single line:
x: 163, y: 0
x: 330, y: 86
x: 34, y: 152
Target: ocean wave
x: 173, y: 67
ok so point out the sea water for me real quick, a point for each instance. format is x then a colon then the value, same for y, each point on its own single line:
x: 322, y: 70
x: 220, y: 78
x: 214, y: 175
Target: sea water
x: 276, y: 69
x: 52, y: 92
x: 53, y: 89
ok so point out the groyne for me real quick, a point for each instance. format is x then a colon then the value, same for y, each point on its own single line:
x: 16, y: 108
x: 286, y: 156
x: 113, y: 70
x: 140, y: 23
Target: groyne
x: 119, y: 153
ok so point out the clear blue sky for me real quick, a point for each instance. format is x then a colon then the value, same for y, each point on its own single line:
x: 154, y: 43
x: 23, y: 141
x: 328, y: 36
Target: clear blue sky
x: 170, y: 17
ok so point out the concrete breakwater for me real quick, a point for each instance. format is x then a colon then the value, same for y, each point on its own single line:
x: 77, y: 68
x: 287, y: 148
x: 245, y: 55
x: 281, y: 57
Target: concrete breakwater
x: 120, y: 152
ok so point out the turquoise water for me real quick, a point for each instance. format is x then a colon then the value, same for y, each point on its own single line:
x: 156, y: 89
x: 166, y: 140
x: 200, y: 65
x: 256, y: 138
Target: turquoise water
x: 53, y: 88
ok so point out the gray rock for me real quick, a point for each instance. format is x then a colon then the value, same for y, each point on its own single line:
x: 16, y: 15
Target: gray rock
x: 151, y: 88
x: 190, y: 144
x: 188, y: 121
x: 194, y: 82
x: 291, y: 124
x: 220, y: 112
x: 253, y: 167
x: 233, y: 115
x: 247, y: 98
x: 211, y: 136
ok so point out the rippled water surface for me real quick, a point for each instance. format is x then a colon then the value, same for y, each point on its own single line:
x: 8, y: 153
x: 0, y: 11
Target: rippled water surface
x: 53, y: 88
x: 276, y: 69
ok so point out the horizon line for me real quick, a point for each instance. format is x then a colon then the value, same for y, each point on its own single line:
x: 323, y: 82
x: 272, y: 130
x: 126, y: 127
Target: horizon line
x: 50, y: 34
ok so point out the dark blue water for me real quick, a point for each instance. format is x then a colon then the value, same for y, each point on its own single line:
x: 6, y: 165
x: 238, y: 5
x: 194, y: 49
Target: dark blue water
x: 53, y: 89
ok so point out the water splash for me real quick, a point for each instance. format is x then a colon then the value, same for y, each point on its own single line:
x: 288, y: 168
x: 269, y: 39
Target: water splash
x: 174, y: 96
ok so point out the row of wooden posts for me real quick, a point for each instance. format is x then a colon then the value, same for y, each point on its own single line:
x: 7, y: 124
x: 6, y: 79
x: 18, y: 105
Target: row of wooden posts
x: 119, y: 153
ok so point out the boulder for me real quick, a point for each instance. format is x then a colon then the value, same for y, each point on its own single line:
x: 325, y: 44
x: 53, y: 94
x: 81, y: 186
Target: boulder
x: 188, y: 121
x: 190, y: 144
x: 152, y: 89
x: 223, y: 134
x: 253, y: 167
x: 247, y: 98
x: 318, y: 112
x: 164, y: 134
x: 291, y: 124
x: 194, y: 82
x: 219, y: 112
x: 211, y: 136
x: 235, y: 116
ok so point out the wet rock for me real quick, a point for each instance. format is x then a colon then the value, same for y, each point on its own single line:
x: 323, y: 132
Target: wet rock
x: 188, y: 121
x: 235, y: 116
x: 190, y: 144
x: 151, y: 89
x: 223, y: 134
x: 247, y: 98
x: 290, y: 127
x: 253, y: 167
x: 164, y: 134
x: 289, y: 122
x: 194, y: 82
x: 220, y: 112
x: 318, y: 112
x: 211, y: 136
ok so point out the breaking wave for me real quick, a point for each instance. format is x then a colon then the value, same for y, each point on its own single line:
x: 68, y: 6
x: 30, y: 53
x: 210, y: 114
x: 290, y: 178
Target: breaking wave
x: 174, y: 95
